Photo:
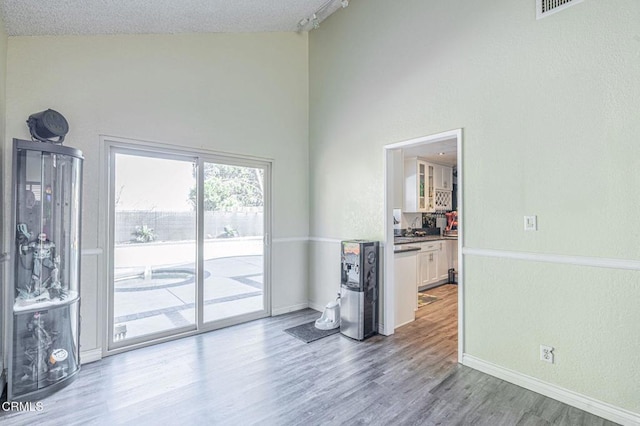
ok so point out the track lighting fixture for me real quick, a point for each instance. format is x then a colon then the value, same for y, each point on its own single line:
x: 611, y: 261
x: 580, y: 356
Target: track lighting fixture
x: 314, y: 19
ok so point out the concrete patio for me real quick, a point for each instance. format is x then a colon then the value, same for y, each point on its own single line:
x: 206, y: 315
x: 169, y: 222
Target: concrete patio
x: 155, y: 283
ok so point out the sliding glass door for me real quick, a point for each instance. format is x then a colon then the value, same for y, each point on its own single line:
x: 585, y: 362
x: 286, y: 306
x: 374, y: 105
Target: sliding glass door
x: 233, y: 241
x: 155, y: 250
x: 187, y: 243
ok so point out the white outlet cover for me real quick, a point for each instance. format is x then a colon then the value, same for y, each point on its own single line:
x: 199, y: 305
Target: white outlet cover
x: 546, y: 354
x: 531, y: 223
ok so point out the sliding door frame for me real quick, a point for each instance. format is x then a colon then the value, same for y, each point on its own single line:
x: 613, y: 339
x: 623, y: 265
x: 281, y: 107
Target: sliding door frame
x: 113, y: 146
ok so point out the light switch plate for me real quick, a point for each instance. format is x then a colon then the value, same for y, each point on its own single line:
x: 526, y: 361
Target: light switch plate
x: 531, y: 223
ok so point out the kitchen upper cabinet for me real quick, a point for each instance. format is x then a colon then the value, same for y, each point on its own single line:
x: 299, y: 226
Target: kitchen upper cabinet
x: 419, y: 193
x: 443, y: 177
x: 444, y: 200
x: 427, y: 187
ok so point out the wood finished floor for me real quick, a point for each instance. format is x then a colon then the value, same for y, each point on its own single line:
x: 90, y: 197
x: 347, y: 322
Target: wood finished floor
x: 255, y: 373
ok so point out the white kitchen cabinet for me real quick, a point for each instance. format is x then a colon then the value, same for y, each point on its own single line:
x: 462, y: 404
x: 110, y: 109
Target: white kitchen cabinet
x: 444, y: 200
x: 442, y: 177
x: 447, y: 178
x: 404, y: 274
x: 419, y: 193
x: 428, y: 264
x: 434, y: 261
x: 443, y: 187
x: 425, y: 260
x: 443, y: 260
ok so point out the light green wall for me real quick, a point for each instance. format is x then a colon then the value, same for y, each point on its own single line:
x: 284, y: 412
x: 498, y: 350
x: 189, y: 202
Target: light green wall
x: 589, y: 315
x: 549, y: 111
x: 237, y: 93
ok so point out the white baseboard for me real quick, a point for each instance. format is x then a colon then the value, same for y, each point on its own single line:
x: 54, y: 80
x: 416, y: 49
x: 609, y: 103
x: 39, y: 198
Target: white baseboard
x: 287, y: 309
x: 398, y: 325
x: 317, y: 306
x: 90, y: 356
x: 591, y: 405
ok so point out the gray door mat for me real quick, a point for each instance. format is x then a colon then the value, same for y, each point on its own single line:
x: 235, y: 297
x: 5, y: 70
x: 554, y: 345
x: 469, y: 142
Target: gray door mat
x: 425, y: 299
x: 309, y: 333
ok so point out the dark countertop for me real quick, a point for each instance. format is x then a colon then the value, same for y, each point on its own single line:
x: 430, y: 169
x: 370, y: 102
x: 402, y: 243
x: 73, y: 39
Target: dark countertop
x: 413, y: 240
x: 404, y: 249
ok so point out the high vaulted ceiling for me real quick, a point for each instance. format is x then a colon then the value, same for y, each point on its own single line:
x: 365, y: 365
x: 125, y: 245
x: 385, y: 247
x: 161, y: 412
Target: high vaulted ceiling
x: 70, y: 17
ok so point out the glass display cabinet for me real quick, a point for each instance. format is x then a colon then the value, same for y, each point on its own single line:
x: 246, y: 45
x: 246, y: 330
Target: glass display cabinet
x: 45, y: 355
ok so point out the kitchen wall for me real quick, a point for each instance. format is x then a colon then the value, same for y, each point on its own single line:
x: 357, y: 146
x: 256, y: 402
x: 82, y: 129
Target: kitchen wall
x: 238, y: 93
x: 412, y: 220
x: 549, y: 115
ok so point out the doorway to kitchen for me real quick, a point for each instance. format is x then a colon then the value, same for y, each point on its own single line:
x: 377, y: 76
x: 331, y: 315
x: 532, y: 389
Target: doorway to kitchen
x: 415, y: 170
x: 187, y: 249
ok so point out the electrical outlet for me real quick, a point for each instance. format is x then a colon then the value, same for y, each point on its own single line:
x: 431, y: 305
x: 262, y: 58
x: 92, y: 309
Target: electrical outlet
x: 531, y: 223
x: 546, y: 354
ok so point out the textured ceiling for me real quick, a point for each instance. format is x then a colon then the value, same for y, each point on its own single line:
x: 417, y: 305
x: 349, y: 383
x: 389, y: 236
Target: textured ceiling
x: 444, y: 152
x: 68, y: 17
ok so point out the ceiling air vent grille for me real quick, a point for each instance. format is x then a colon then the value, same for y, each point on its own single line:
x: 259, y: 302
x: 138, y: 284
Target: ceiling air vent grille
x: 545, y: 8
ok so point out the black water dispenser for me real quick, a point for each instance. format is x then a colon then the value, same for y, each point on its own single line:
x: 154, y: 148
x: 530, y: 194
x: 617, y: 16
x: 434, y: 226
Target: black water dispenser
x: 359, y: 292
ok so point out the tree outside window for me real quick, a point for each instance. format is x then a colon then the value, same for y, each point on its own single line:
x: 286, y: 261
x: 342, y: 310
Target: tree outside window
x: 230, y: 187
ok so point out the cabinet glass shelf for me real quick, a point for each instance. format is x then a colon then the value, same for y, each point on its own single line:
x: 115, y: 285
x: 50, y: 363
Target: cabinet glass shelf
x: 21, y: 306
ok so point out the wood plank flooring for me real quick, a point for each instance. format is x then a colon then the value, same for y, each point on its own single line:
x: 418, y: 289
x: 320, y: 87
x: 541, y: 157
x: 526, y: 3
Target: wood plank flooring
x: 255, y: 373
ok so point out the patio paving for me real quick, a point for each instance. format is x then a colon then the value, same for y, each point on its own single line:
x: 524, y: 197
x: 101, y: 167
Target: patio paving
x: 232, y: 286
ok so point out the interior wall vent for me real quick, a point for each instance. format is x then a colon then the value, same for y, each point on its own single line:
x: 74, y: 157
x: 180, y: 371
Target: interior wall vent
x: 545, y: 8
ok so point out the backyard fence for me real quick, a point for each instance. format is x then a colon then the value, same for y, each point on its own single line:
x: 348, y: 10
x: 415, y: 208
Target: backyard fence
x: 178, y: 226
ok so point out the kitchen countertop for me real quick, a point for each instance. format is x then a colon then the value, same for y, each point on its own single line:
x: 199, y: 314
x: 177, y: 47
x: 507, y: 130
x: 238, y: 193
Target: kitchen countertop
x: 413, y: 240
x: 404, y: 249
x: 401, y: 244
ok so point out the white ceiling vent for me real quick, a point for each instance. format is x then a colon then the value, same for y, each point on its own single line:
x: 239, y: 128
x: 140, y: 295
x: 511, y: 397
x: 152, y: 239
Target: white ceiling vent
x: 545, y: 8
